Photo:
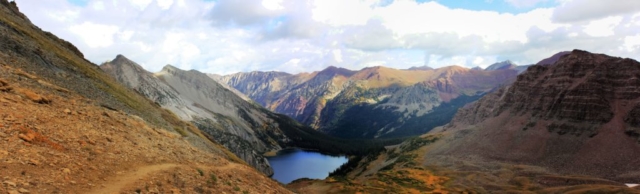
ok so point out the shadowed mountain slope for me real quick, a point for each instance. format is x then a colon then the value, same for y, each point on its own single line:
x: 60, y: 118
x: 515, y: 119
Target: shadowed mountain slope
x: 569, y: 125
x: 245, y: 128
x: 375, y: 102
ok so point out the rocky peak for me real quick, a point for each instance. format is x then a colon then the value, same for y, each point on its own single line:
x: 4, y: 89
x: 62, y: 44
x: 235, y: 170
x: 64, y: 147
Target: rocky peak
x: 169, y: 68
x: 120, y: 61
x: 334, y: 71
x: 553, y: 59
x: 580, y: 86
x: 577, y: 115
x: 501, y: 65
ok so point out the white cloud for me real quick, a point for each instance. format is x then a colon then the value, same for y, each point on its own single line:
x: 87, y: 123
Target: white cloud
x: 632, y: 43
x: 140, y: 4
x: 98, y: 5
x: 228, y: 36
x: 95, y: 35
x: 342, y: 12
x: 272, y: 4
x: 337, y: 55
x: 603, y: 27
x: 240, y: 12
x: 164, y: 4
x: 585, y: 10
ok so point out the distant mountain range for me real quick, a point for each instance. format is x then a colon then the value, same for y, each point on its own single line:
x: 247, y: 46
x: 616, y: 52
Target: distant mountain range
x: 224, y: 114
x: 375, y: 102
x: 569, y: 124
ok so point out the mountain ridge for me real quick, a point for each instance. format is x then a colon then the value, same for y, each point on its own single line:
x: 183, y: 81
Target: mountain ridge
x: 584, y: 103
x: 196, y: 98
x: 321, y: 99
x: 567, y: 125
x: 244, y: 127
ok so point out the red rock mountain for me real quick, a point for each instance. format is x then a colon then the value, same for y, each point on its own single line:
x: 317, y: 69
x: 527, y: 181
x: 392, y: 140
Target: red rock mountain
x: 577, y: 113
x: 374, y: 102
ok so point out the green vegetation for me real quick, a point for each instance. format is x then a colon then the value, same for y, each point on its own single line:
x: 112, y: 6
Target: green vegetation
x: 200, y: 171
x: 308, y: 138
x: 417, y: 142
x: 404, y: 181
x: 213, y: 178
x: 181, y: 131
x: 356, y: 122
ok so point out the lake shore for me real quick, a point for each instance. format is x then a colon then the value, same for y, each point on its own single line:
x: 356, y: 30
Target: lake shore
x: 271, y: 153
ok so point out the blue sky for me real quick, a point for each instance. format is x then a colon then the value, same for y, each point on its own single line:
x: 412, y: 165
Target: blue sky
x: 495, y: 5
x: 228, y: 36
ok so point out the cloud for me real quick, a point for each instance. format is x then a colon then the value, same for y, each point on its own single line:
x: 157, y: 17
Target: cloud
x: 229, y: 36
x: 603, y: 27
x: 585, y: 10
x: 242, y: 12
x: 95, y: 35
x: 373, y: 36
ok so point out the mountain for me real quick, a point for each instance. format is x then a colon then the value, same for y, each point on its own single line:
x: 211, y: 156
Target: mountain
x: 501, y: 65
x: 67, y: 127
x: 242, y: 127
x: 553, y: 59
x: 507, y: 65
x: 576, y: 115
x: 567, y: 125
x: 425, y: 67
x: 245, y: 128
x: 375, y: 102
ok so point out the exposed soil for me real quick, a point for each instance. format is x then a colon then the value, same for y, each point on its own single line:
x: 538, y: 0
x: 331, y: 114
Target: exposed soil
x: 55, y: 141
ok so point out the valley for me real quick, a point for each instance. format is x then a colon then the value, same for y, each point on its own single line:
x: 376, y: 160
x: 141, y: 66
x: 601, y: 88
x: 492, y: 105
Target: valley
x: 569, y: 123
x: 375, y: 102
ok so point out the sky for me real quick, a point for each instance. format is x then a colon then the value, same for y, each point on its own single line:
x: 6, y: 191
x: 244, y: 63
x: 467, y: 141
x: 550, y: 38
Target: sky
x: 229, y: 36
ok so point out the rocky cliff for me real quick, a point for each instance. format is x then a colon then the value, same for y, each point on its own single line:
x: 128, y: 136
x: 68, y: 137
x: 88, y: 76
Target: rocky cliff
x: 239, y: 125
x: 577, y: 114
x: 375, y: 102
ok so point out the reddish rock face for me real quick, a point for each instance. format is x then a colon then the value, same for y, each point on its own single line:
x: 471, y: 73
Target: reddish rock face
x: 580, y: 87
x: 580, y: 115
x: 319, y: 99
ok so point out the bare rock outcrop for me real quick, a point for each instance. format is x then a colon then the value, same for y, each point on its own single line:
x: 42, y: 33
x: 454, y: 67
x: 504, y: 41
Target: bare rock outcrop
x: 578, y: 115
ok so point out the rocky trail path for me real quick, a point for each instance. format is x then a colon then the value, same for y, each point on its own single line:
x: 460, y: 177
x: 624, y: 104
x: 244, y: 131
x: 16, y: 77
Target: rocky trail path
x: 118, y: 183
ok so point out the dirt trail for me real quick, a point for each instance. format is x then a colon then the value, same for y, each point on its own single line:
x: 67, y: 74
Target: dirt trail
x: 115, y: 185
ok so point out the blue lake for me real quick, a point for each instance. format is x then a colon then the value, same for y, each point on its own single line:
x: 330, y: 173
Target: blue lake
x: 292, y: 164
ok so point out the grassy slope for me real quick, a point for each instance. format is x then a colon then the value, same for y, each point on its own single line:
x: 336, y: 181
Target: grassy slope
x: 402, y: 169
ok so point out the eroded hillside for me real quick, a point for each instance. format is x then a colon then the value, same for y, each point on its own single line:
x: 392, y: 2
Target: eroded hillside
x: 55, y: 141
x: 66, y: 127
